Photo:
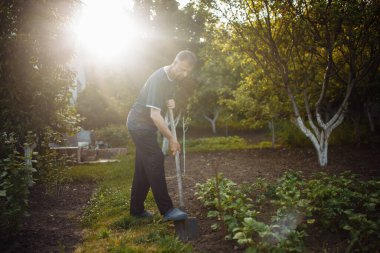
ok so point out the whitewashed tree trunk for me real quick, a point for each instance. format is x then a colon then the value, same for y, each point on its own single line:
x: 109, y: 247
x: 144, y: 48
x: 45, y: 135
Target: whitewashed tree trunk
x: 213, y: 120
x: 28, y: 153
x: 165, y: 141
x: 271, y: 127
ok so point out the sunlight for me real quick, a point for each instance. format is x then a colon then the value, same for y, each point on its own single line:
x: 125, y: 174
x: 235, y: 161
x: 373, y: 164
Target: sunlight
x: 104, y: 28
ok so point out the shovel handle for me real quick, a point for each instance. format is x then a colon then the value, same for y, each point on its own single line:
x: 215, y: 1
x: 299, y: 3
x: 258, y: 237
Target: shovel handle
x: 177, y: 161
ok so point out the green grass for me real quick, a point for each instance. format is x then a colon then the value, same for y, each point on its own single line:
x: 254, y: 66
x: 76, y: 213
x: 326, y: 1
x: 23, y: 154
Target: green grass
x: 108, y: 227
x: 223, y: 143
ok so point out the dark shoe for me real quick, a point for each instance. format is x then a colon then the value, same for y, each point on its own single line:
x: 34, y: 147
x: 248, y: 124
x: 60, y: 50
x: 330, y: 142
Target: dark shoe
x: 145, y: 214
x: 175, y: 214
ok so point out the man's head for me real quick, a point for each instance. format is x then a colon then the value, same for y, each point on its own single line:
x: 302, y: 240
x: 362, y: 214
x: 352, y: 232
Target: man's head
x: 183, y: 64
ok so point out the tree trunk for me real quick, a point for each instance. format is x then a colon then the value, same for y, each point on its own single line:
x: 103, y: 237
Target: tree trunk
x: 271, y: 127
x: 213, y: 120
x: 321, y: 145
x: 370, y: 120
x: 322, y: 151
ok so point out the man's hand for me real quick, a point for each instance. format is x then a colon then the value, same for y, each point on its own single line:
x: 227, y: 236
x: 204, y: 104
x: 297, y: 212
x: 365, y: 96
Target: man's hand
x: 174, y: 146
x: 170, y: 104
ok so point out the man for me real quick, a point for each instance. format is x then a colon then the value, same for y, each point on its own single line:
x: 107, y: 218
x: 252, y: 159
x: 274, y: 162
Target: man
x: 144, y: 119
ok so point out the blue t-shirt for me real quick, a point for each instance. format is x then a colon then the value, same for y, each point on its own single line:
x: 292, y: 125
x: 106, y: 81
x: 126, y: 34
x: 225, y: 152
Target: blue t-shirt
x: 156, y: 91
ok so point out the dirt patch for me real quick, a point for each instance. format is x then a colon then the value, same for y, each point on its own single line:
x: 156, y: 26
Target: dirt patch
x: 246, y: 165
x: 54, y: 221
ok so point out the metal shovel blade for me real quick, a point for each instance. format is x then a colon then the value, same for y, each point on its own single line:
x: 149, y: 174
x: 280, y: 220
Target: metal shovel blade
x: 187, y: 230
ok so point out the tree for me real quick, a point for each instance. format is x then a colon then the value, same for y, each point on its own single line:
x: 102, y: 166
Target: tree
x: 310, y: 49
x: 35, y: 80
x: 255, y: 102
x: 219, y: 74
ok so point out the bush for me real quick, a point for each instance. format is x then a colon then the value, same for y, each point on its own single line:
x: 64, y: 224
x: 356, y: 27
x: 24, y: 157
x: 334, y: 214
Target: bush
x: 115, y: 135
x: 15, y: 181
x: 289, y: 134
x: 54, y: 170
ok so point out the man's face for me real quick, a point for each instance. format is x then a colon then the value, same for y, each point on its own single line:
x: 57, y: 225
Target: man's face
x: 182, y: 69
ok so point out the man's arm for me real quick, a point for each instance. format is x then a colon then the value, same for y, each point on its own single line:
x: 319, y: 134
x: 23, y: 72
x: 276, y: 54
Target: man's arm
x: 159, y: 121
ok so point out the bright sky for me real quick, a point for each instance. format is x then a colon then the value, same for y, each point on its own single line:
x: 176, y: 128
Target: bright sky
x: 105, y: 29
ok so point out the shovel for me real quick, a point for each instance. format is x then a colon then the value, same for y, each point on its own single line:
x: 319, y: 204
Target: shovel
x: 185, y: 229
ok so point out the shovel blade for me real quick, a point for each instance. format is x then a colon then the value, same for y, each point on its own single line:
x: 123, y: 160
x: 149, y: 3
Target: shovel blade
x: 187, y: 230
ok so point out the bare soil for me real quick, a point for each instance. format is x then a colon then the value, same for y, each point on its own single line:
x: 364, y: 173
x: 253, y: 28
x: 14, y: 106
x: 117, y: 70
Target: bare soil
x: 54, y: 222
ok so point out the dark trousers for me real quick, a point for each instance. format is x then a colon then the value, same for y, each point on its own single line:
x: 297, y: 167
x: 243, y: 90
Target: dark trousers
x: 149, y: 173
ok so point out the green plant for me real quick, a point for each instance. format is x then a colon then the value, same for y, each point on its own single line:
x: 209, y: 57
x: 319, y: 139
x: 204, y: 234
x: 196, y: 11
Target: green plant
x: 289, y: 134
x: 15, y: 180
x: 54, y: 170
x: 341, y: 203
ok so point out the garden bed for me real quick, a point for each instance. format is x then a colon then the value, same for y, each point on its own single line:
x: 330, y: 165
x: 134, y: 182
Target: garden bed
x: 247, y: 165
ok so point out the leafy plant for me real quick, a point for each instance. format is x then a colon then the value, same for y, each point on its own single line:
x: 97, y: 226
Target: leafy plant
x: 341, y: 203
x: 15, y: 180
x: 53, y: 167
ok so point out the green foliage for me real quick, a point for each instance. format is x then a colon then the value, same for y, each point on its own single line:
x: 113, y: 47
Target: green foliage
x: 54, y: 170
x: 96, y: 109
x: 35, y: 84
x: 340, y: 203
x: 216, y: 143
x: 15, y: 180
x: 35, y: 93
x: 114, y: 135
x: 345, y: 134
x: 289, y: 134
x: 294, y: 59
x: 53, y: 167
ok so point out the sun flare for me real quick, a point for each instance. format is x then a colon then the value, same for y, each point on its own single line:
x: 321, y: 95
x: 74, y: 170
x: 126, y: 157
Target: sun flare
x: 105, y: 28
